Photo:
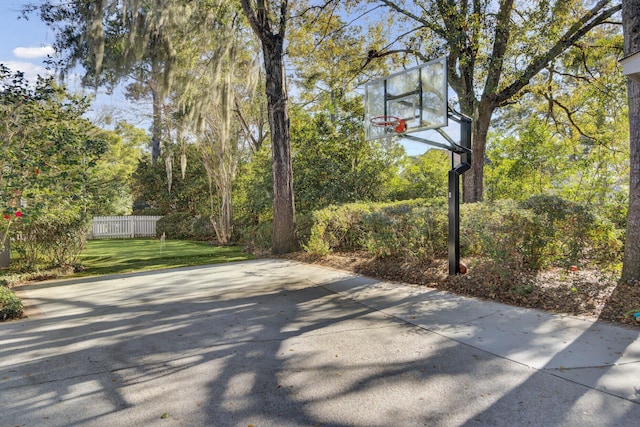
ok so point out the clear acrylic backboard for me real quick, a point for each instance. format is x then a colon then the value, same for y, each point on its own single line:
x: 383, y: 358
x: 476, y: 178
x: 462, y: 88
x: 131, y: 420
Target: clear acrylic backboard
x: 416, y: 96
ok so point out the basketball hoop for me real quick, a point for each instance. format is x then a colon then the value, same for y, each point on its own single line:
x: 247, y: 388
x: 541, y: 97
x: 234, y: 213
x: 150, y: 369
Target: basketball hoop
x: 390, y: 124
x: 420, y: 96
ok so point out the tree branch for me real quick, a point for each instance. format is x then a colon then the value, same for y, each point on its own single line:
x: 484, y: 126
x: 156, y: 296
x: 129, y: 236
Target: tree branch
x: 496, y: 61
x: 430, y: 25
x: 257, y: 18
x: 284, y: 12
x: 553, y: 101
x: 595, y: 17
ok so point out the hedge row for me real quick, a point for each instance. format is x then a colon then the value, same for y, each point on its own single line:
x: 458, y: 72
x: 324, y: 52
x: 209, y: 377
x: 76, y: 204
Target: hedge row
x: 543, y: 231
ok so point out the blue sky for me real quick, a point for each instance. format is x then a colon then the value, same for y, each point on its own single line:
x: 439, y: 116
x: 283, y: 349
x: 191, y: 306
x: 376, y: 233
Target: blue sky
x: 25, y: 44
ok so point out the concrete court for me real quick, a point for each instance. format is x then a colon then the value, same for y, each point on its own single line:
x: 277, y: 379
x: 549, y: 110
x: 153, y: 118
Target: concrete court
x: 278, y: 343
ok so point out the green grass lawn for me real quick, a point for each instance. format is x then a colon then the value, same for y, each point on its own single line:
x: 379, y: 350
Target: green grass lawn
x: 127, y: 255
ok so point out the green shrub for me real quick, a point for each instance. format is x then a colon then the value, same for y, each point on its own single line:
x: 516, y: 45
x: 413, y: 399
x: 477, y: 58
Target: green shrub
x: 413, y: 229
x: 316, y: 245
x: 183, y: 225
x: 510, y: 237
x: 203, y: 228
x: 345, y: 226
x: 430, y: 240
x: 304, y: 223
x: 380, y: 238
x: 177, y: 225
x: 50, y: 241
x: 335, y: 228
x: 10, y: 305
x: 574, y: 233
x: 539, y: 232
x: 487, y: 231
x: 255, y: 236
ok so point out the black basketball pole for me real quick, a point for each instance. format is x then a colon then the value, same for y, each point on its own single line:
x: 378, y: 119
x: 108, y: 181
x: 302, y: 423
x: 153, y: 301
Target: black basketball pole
x: 461, y: 153
x: 454, y: 221
x: 460, y: 163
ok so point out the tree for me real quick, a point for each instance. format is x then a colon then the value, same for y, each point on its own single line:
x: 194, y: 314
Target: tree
x: 494, y: 50
x: 16, y: 166
x: 577, y: 107
x: 222, y: 69
x: 423, y: 176
x: 325, y: 54
x: 253, y: 197
x: 48, y: 156
x: 125, y: 41
x: 631, y: 261
x: 527, y: 163
x: 109, y: 185
x: 188, y: 195
x: 333, y: 162
x: 269, y: 22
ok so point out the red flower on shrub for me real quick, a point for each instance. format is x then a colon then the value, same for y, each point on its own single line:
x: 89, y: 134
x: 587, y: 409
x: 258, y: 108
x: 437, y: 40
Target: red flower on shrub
x: 7, y: 217
x: 18, y: 214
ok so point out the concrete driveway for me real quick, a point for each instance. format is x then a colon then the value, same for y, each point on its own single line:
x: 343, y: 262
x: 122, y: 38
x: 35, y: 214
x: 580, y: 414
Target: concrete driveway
x: 278, y: 343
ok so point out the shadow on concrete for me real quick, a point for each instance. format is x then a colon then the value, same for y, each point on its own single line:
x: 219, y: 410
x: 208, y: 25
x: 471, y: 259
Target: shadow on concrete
x: 256, y: 344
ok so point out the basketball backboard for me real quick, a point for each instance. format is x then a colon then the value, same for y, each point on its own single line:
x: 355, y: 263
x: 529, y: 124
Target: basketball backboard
x: 416, y: 97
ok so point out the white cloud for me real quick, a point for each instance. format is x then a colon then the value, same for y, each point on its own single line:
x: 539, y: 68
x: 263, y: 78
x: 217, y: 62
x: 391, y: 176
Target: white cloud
x: 33, y: 52
x: 31, y: 71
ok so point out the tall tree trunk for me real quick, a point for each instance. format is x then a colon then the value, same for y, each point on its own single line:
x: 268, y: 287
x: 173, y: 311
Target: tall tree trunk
x: 223, y: 177
x: 472, y: 181
x: 156, y: 126
x: 226, y: 214
x: 284, y: 223
x: 631, y: 262
x: 263, y: 21
x: 221, y: 216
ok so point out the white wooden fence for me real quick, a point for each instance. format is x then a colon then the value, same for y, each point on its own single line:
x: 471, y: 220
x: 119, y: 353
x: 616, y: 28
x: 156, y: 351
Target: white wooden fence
x: 123, y: 227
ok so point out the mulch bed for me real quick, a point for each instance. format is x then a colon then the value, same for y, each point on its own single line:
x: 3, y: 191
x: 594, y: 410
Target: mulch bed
x: 578, y: 292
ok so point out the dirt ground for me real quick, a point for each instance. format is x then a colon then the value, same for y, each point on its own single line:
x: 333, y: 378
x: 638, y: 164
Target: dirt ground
x: 579, y: 292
